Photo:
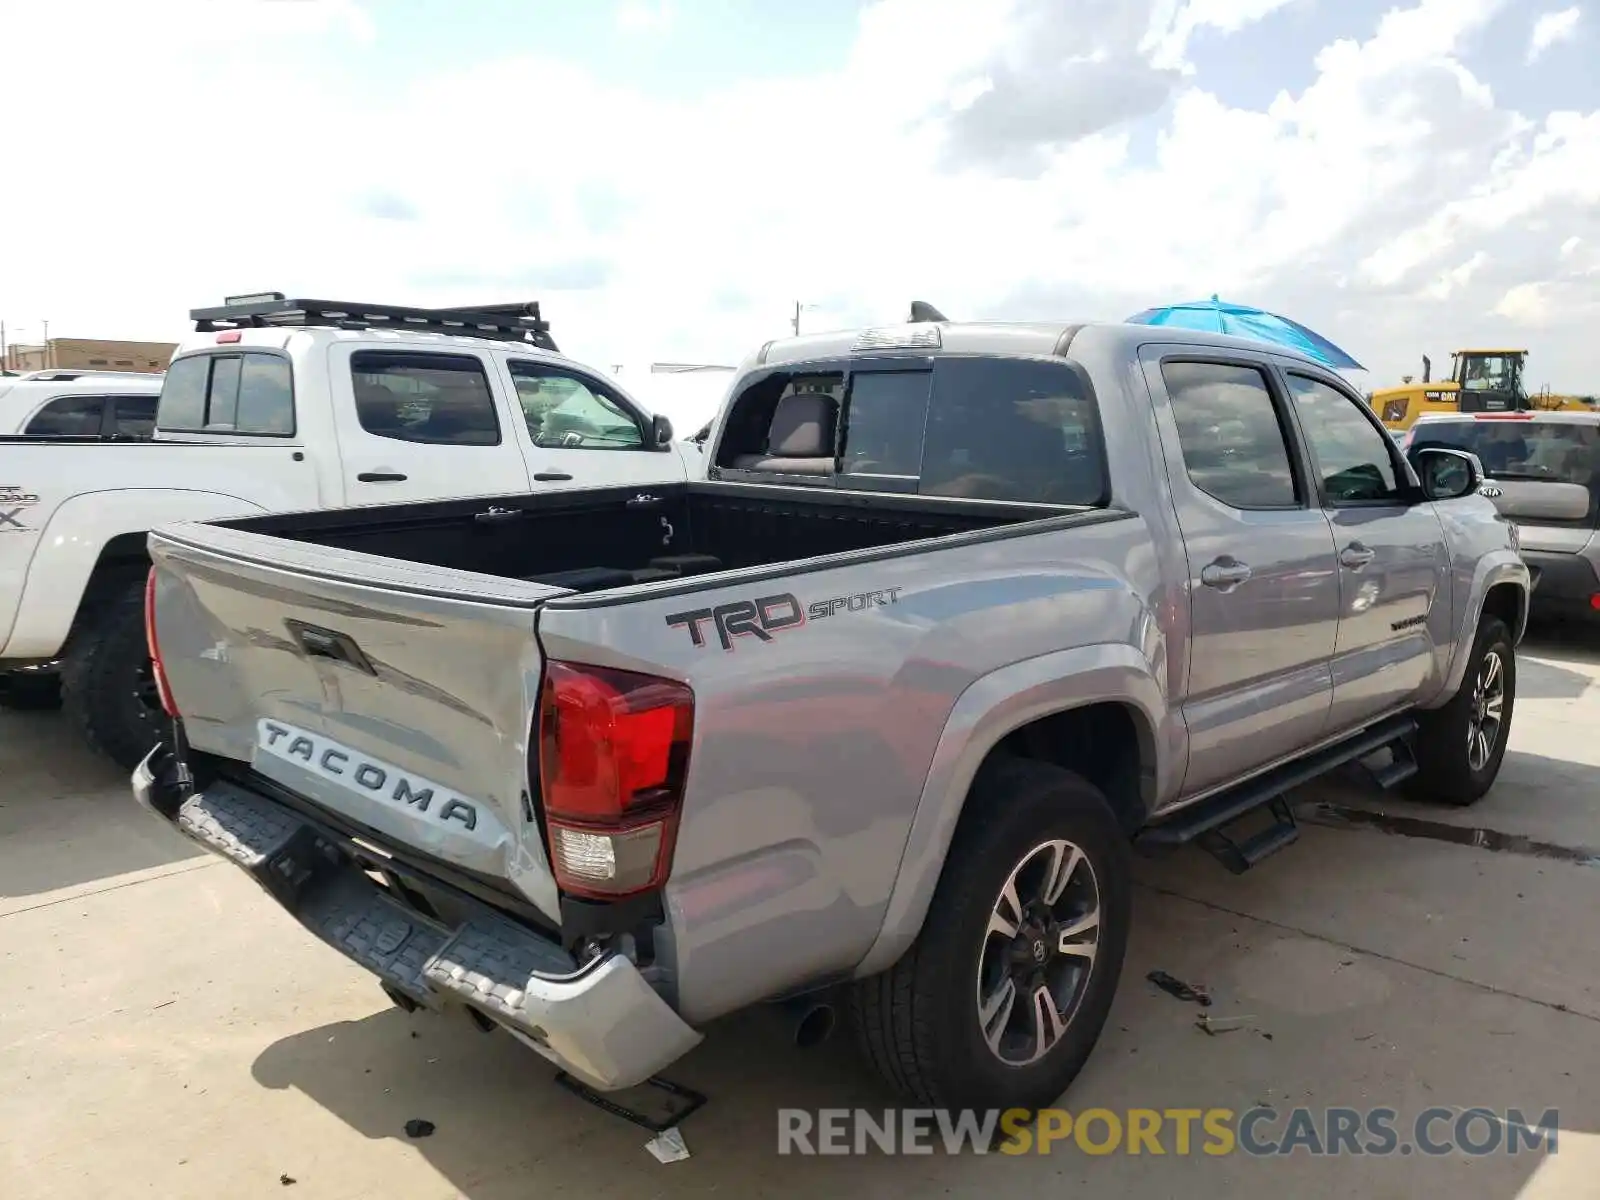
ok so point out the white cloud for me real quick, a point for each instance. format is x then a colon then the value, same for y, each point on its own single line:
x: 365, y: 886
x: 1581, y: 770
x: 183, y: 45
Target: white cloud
x: 644, y: 16
x: 1526, y: 304
x: 1453, y: 280
x: 1551, y: 28
x: 977, y: 155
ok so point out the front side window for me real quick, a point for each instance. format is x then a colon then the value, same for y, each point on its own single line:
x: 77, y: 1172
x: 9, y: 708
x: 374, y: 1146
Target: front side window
x: 68, y: 416
x: 563, y: 410
x: 1354, y: 456
x: 135, y: 416
x: 438, y: 399
x: 1013, y: 429
x: 250, y: 392
x: 1232, y: 441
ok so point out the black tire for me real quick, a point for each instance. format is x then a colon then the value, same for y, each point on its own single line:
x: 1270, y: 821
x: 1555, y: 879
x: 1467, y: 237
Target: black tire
x: 918, y: 1023
x: 30, y: 693
x: 1446, y: 770
x: 107, y: 690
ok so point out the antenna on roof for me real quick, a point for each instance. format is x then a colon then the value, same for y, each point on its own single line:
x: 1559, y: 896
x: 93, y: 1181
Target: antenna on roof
x: 921, y: 310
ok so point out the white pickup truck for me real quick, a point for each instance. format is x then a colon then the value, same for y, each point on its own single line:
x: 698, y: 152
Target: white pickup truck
x: 284, y: 405
x: 80, y: 404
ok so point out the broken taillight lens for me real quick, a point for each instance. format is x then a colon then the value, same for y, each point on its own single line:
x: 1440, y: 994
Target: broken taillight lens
x: 613, y: 757
x: 156, y: 668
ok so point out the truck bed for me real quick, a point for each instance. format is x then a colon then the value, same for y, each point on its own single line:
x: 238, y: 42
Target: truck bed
x: 600, y: 539
x: 410, y: 640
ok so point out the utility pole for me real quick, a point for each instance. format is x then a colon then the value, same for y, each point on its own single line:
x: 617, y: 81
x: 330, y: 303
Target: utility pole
x: 796, y: 321
x: 47, y: 355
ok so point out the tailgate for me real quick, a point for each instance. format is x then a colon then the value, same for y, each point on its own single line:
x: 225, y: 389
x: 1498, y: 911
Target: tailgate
x: 393, y: 694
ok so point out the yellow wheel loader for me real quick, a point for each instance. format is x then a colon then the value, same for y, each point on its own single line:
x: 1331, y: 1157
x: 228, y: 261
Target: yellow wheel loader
x: 1480, y: 381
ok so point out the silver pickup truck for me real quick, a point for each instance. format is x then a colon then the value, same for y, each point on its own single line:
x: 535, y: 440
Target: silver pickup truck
x: 869, y: 720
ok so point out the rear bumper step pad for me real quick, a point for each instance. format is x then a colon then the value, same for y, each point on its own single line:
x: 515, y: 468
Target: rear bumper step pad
x: 602, y: 1022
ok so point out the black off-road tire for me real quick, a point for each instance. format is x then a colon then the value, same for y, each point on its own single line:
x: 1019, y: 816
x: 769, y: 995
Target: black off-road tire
x: 918, y: 1022
x: 106, y: 687
x: 1445, y: 773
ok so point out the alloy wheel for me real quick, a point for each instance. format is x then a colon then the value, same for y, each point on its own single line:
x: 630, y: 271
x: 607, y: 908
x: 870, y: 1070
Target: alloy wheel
x: 1485, y: 718
x: 1038, y: 952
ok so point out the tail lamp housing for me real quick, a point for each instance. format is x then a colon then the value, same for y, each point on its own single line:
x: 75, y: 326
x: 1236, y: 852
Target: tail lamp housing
x: 154, y: 645
x: 613, y: 754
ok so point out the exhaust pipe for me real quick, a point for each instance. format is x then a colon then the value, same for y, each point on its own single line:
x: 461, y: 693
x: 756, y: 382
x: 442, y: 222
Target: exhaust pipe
x: 399, y: 999
x: 812, y: 1020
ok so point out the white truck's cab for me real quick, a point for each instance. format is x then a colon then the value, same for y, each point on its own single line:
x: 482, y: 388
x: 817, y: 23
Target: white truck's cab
x: 282, y: 405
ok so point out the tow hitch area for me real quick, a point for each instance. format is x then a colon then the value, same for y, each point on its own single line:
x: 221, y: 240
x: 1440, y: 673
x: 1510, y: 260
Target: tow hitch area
x: 656, y: 1104
x: 599, y: 1021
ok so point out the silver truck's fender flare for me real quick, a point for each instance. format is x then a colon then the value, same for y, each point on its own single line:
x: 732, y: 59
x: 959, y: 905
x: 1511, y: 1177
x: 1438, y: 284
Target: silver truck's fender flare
x: 1493, y: 569
x: 985, y: 712
x: 70, y: 546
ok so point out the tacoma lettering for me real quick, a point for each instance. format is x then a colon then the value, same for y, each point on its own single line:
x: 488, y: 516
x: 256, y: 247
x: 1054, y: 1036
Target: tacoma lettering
x: 381, y: 779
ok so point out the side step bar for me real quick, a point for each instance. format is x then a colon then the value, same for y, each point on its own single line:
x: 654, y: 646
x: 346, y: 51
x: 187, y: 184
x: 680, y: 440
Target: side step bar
x: 1212, y: 822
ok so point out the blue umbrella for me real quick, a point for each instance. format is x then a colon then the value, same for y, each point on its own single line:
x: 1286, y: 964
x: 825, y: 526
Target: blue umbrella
x: 1239, y: 320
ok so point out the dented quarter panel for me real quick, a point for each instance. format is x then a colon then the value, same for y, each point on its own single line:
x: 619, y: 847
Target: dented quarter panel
x: 779, y: 878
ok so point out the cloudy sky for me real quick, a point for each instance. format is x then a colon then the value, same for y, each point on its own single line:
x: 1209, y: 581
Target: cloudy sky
x: 670, y: 176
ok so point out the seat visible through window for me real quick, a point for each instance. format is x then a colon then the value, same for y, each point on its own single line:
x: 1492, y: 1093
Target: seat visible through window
x: 800, y: 438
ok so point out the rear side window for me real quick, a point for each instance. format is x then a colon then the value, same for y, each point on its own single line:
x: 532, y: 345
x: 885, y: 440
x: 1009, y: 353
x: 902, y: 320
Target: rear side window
x: 68, y: 416
x: 1013, y: 429
x: 251, y: 393
x: 1231, y: 437
x: 439, y: 399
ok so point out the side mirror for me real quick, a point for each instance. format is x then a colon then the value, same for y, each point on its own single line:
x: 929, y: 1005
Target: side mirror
x: 661, y: 431
x: 1449, y: 474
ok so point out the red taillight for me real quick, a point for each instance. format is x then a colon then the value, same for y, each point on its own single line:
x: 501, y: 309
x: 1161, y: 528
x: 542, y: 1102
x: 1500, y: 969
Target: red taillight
x: 155, y: 647
x: 613, y: 755
x: 1594, y: 602
x: 229, y: 335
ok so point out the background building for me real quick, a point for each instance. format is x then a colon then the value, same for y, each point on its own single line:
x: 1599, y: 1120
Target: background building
x: 90, y: 354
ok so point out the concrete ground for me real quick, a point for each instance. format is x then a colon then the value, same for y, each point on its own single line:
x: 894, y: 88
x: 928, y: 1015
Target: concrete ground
x: 166, y: 1031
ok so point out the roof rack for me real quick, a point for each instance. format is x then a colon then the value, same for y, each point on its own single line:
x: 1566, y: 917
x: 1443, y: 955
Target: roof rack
x: 271, y: 310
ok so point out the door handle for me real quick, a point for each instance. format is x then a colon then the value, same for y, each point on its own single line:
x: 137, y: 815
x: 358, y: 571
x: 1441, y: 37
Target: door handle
x: 1225, y: 572
x: 551, y: 476
x: 381, y: 477
x: 1355, y: 556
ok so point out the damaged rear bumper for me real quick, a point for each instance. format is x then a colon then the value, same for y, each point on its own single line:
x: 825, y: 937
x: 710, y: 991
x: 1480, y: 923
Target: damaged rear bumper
x: 601, y: 1022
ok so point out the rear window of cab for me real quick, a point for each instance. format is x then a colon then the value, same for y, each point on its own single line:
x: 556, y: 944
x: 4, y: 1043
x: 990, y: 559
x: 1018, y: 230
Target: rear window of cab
x: 982, y: 428
x: 241, y: 392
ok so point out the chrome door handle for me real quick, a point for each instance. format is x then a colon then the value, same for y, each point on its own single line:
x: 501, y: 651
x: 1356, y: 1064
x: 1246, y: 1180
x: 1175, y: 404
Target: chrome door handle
x: 1225, y: 572
x: 1355, y: 556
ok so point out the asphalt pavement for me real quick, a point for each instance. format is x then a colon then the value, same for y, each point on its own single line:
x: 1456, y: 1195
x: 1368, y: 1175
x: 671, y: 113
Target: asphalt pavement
x: 166, y: 1031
